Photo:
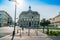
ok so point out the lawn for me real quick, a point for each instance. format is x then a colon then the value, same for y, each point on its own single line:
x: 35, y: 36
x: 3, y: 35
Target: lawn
x: 50, y: 28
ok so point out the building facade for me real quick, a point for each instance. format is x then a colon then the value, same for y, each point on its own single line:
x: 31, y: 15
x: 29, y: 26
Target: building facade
x: 5, y: 18
x: 29, y: 18
x: 56, y: 20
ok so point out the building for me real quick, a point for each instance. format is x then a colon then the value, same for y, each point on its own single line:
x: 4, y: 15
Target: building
x: 56, y: 20
x: 29, y: 18
x: 5, y: 18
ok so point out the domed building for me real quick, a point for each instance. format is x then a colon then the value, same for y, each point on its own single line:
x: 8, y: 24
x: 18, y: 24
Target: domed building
x: 29, y: 19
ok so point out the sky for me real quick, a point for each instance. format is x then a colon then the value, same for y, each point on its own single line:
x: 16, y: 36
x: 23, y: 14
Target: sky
x: 46, y: 8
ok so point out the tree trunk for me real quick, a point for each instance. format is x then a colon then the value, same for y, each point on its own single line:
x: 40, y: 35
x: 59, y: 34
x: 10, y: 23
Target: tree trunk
x: 47, y: 30
x: 43, y: 29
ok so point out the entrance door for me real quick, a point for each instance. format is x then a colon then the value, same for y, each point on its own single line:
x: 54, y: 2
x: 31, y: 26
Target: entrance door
x: 29, y: 23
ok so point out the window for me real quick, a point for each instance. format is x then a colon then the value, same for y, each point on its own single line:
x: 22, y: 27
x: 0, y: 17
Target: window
x: 32, y: 16
x: 0, y: 15
x: 32, y: 19
x: 0, y: 19
x: 29, y: 19
x: 24, y: 19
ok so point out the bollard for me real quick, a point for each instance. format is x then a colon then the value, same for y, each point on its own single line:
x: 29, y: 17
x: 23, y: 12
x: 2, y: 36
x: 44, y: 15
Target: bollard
x: 20, y: 33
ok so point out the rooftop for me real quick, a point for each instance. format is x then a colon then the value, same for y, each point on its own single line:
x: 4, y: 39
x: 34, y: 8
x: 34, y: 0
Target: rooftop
x: 29, y: 11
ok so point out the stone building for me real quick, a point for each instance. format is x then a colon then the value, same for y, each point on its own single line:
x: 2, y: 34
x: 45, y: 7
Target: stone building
x: 56, y: 20
x: 29, y: 18
x: 5, y: 18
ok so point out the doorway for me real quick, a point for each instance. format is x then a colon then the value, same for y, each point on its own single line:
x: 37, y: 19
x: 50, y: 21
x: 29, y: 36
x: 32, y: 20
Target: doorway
x: 29, y: 23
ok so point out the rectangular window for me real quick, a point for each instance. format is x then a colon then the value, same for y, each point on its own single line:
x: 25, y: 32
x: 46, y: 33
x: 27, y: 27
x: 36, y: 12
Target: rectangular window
x: 0, y: 14
x: 0, y: 19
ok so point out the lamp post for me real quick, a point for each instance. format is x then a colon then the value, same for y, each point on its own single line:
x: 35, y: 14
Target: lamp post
x: 14, y: 19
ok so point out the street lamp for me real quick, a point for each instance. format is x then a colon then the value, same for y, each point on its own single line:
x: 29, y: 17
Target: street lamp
x: 14, y: 19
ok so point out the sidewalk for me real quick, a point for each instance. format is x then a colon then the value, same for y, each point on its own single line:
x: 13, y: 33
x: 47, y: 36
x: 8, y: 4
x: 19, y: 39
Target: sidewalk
x: 25, y: 36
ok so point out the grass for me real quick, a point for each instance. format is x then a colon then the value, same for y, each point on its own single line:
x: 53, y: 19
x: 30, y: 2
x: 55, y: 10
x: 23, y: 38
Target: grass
x: 53, y: 31
x: 51, y: 28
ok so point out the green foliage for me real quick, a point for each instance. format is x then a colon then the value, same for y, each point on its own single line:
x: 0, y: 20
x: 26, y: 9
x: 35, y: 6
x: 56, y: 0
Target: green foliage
x: 47, y: 22
x: 54, y: 33
x: 44, y: 22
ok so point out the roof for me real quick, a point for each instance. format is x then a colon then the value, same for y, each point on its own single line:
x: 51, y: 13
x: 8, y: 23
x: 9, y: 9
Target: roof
x: 29, y: 11
x: 5, y: 13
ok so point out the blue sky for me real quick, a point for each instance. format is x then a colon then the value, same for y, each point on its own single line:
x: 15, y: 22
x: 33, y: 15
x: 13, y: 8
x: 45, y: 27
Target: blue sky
x: 51, y: 2
x: 35, y: 2
x: 46, y: 8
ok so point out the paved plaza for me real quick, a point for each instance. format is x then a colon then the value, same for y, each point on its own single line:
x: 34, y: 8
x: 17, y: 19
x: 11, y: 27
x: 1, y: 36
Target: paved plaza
x: 34, y: 35
x: 6, y: 34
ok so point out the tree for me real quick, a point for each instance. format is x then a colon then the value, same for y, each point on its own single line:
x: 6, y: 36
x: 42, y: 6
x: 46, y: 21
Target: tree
x: 47, y: 24
x: 44, y: 23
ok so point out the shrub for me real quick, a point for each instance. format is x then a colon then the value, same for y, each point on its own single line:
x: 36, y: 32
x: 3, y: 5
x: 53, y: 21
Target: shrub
x: 54, y: 33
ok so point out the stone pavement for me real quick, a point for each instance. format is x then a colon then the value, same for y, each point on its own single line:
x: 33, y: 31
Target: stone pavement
x: 24, y: 35
x: 5, y: 31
